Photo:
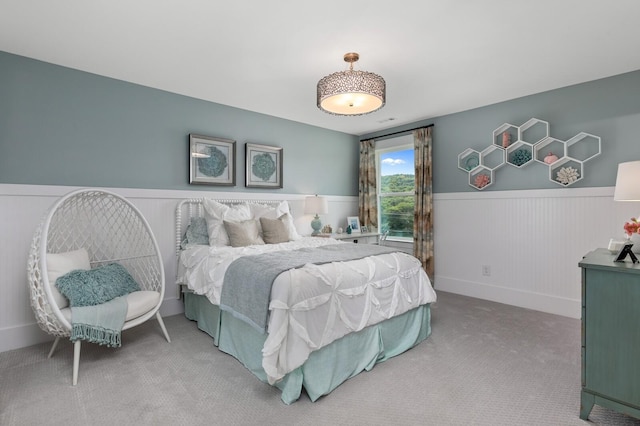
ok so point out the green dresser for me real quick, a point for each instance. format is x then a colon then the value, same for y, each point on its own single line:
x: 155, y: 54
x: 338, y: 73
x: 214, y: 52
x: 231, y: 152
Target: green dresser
x: 610, y: 334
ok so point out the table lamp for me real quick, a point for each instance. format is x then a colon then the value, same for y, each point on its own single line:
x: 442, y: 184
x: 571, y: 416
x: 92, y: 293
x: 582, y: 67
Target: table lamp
x: 628, y: 182
x: 316, y: 205
x: 628, y: 189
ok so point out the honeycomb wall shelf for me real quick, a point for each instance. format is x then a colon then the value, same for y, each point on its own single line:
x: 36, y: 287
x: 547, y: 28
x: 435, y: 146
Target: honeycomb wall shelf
x: 468, y: 160
x: 520, y: 146
x: 481, y: 177
x: 548, y: 146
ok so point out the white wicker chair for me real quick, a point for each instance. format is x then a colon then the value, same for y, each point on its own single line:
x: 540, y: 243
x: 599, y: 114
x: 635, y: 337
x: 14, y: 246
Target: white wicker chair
x: 111, y: 229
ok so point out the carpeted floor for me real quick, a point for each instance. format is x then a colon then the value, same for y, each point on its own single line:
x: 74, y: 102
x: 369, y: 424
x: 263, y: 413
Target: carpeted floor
x: 484, y: 364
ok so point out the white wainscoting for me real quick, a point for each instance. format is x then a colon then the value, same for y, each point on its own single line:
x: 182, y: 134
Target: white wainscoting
x: 23, y: 206
x: 531, y: 241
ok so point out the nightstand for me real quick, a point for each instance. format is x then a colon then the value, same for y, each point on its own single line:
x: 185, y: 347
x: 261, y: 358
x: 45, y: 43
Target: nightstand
x: 610, y: 334
x: 359, y: 237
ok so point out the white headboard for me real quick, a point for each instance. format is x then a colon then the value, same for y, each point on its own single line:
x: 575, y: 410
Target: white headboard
x: 192, y: 207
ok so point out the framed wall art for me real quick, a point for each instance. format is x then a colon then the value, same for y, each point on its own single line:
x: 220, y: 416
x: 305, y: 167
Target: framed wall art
x: 264, y: 166
x: 212, y: 161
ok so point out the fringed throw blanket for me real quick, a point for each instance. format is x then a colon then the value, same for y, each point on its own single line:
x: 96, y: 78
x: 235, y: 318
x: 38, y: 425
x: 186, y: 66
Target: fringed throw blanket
x: 98, y: 302
x: 101, y: 324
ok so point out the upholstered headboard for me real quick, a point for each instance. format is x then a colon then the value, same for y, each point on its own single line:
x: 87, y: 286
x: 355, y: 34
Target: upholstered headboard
x: 192, y: 207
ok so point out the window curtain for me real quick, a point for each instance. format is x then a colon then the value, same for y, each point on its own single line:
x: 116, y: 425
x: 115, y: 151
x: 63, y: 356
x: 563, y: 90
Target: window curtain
x: 367, y: 191
x: 423, y: 215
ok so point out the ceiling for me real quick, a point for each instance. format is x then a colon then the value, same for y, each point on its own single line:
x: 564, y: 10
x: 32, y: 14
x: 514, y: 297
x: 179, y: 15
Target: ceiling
x: 437, y: 56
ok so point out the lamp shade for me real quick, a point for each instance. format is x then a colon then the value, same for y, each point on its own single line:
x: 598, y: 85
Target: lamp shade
x: 628, y: 182
x: 316, y: 205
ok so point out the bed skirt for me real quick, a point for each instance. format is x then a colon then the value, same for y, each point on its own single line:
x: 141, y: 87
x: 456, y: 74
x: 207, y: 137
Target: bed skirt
x: 327, y: 367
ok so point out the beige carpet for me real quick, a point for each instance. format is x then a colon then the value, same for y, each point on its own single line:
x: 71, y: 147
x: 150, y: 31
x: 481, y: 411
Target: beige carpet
x: 485, y: 364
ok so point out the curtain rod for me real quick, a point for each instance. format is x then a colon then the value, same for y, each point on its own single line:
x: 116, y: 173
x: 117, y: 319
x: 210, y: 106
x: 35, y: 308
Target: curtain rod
x: 398, y: 132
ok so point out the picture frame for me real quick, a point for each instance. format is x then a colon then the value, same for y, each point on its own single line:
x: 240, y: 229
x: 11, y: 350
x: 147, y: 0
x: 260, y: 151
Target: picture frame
x: 364, y: 229
x: 212, y: 161
x: 354, y: 222
x: 624, y: 251
x: 263, y: 166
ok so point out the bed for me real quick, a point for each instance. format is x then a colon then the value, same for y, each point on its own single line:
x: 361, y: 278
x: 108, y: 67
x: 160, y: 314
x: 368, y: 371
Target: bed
x: 298, y: 312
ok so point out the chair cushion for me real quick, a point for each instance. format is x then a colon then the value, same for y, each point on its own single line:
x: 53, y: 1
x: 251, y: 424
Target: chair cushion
x: 96, y: 286
x: 139, y: 303
x: 59, y: 264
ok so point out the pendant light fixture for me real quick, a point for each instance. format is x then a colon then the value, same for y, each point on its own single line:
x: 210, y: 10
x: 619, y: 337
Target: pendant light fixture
x: 351, y: 92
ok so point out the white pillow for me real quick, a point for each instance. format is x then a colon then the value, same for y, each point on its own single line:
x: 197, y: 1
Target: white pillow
x: 283, y: 208
x: 59, y: 264
x: 262, y: 210
x: 215, y: 213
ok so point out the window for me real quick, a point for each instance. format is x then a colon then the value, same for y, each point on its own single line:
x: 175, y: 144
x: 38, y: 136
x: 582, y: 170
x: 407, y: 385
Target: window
x: 396, y: 187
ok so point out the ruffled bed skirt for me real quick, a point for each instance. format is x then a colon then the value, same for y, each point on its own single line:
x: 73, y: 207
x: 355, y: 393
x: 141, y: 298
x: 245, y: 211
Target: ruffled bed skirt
x: 327, y: 367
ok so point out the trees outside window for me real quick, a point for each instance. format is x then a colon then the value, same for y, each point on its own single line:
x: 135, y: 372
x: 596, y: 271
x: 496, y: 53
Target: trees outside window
x: 396, y: 191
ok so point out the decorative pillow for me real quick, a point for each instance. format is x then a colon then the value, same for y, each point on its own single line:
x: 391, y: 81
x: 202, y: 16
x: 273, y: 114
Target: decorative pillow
x: 275, y: 231
x: 216, y: 213
x: 274, y: 212
x: 59, y: 264
x: 197, y: 232
x: 96, y: 286
x: 243, y: 234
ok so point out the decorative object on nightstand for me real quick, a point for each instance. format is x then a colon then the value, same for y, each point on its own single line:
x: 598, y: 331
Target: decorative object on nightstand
x: 354, y: 223
x: 316, y: 205
x: 628, y: 189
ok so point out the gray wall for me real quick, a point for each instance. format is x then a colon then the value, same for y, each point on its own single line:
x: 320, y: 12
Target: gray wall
x: 609, y: 108
x: 60, y: 126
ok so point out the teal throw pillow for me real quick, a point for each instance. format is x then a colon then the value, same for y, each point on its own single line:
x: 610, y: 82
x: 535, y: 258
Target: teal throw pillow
x: 96, y: 286
x: 197, y: 232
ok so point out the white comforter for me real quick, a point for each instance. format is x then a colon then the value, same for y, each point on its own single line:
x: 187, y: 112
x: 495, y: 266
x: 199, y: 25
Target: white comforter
x: 314, y: 305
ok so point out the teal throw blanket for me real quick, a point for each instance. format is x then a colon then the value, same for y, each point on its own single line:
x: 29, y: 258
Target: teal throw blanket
x: 101, y: 324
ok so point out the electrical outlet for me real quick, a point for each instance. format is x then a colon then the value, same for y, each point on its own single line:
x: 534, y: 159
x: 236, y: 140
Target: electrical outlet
x: 486, y: 270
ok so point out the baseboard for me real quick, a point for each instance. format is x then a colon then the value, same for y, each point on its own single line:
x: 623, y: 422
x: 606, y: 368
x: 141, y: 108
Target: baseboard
x: 22, y: 335
x: 30, y: 334
x: 536, y: 301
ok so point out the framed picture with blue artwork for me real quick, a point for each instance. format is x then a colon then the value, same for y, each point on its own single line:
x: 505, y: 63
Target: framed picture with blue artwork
x: 264, y: 166
x: 212, y: 161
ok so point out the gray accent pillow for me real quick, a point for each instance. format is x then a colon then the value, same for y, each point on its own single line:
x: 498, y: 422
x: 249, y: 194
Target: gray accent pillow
x: 275, y: 231
x: 241, y: 234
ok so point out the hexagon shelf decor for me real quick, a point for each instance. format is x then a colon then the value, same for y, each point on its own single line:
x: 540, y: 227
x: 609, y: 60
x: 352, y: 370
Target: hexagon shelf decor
x: 530, y: 142
x: 533, y: 131
x: 481, y: 177
x: 492, y: 157
x: 548, y: 147
x: 583, y: 146
x: 468, y: 159
x: 566, y: 172
x: 505, y: 135
x: 520, y: 154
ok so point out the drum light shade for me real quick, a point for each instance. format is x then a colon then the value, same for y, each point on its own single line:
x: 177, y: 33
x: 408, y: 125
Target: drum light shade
x: 351, y: 92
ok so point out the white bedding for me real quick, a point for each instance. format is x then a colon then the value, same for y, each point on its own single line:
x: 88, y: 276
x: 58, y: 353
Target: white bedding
x: 314, y: 305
